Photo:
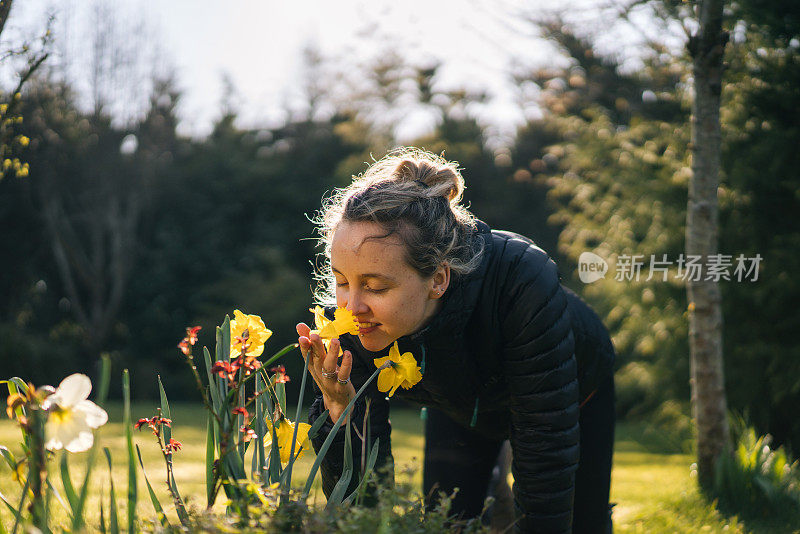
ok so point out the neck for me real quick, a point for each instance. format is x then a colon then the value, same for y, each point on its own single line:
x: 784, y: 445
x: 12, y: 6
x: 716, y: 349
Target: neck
x: 433, y: 308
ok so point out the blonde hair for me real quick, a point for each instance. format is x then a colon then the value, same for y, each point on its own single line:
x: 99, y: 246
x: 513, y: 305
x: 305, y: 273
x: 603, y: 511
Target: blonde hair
x: 415, y: 195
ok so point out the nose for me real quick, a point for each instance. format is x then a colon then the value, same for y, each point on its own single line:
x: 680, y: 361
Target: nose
x: 356, y: 304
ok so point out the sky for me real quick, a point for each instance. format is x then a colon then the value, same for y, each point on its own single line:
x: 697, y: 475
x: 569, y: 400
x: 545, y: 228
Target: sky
x: 258, y: 46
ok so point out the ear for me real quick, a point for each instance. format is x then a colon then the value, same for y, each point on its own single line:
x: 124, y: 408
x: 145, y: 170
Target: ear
x: 440, y: 281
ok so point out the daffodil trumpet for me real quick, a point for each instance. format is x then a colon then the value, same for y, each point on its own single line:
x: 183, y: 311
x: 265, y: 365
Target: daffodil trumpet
x: 344, y: 322
x: 248, y: 334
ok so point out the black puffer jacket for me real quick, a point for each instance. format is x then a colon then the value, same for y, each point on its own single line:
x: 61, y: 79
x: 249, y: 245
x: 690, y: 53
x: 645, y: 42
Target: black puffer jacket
x: 499, y: 356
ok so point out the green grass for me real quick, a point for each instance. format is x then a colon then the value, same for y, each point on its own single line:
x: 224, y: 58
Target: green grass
x: 654, y: 489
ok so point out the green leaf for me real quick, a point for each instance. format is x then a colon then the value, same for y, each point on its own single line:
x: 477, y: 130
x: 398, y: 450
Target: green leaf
x: 240, y: 419
x: 259, y: 459
x: 162, y: 517
x: 105, y: 379
x: 18, y: 511
x: 373, y: 457
x: 211, y: 382
x: 102, y: 516
x: 328, y: 440
x: 226, y: 339
x: 69, y: 489
x: 3, y: 528
x: 280, y: 354
x: 318, y: 422
x: 113, y: 522
x: 223, y: 355
x: 292, y: 456
x: 180, y: 508
x: 8, y: 504
x: 59, y: 498
x: 210, y: 458
x: 77, y: 517
x: 132, y: 495
x: 343, y: 483
x: 280, y: 392
x: 19, y: 384
x: 274, y: 467
x: 9, y: 457
x: 165, y: 429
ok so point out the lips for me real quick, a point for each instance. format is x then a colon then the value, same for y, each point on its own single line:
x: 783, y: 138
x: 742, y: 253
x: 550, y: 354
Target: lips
x: 366, y: 327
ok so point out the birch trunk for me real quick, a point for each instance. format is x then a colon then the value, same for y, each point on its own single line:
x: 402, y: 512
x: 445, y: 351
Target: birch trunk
x: 705, y: 316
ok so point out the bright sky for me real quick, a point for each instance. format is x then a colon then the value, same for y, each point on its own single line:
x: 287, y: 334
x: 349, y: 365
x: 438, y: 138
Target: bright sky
x: 258, y: 45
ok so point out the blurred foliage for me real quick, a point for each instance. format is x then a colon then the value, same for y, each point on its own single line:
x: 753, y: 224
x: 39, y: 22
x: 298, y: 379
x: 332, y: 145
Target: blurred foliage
x: 755, y: 479
x: 618, y: 175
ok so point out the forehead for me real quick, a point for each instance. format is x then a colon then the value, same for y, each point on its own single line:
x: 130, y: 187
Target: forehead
x: 359, y: 247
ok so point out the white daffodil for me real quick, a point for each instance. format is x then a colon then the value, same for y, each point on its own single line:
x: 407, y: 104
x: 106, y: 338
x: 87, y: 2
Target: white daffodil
x: 71, y: 417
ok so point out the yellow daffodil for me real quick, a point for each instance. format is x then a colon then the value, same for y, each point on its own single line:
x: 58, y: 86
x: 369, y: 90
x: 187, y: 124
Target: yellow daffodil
x: 344, y: 322
x: 71, y: 417
x: 284, y: 432
x: 402, y: 373
x: 250, y: 327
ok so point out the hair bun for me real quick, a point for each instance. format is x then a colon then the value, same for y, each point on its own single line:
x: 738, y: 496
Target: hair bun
x: 407, y: 165
x: 440, y: 176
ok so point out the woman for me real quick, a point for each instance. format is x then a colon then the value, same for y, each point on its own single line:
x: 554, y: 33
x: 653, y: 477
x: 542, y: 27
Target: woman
x: 505, y: 351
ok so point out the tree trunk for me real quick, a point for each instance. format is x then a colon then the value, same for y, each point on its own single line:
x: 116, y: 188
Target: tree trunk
x: 705, y: 314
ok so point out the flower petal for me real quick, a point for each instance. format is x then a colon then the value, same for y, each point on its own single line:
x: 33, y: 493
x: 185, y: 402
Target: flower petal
x: 319, y: 317
x: 380, y: 361
x: 386, y: 379
x: 69, y: 431
x: 81, y: 442
x: 72, y: 390
x: 53, y: 443
x: 95, y: 415
x: 346, y: 322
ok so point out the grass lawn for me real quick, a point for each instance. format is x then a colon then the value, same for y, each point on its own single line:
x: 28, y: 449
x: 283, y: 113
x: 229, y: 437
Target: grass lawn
x: 654, y: 491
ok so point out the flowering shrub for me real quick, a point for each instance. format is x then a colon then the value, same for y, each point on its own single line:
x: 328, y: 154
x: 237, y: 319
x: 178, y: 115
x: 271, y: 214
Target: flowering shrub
x: 245, y: 400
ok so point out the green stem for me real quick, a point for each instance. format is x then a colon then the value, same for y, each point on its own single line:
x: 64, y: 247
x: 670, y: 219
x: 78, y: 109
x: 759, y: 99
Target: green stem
x: 327, y: 443
x: 285, y: 489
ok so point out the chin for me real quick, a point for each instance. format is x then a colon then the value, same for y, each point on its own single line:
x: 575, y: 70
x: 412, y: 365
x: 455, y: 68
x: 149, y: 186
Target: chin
x: 372, y: 344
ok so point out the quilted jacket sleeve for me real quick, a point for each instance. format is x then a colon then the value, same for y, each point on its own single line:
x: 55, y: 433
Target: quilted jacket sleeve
x: 540, y: 368
x: 379, y: 427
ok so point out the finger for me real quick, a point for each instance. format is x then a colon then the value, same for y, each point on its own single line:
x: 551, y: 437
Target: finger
x: 347, y: 366
x: 302, y: 329
x: 332, y: 356
x: 318, y: 350
x: 305, y: 347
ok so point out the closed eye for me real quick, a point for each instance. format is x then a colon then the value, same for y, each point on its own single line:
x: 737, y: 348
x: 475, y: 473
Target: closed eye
x: 376, y: 290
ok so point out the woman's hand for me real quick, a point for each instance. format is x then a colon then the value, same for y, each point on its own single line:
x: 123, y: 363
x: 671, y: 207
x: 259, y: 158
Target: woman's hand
x: 332, y: 380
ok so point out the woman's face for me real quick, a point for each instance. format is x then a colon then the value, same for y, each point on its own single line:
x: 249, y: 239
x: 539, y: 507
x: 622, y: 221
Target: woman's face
x: 388, y: 297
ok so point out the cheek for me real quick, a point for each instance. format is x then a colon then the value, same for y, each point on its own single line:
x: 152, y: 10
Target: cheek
x: 410, y: 309
x: 341, y: 297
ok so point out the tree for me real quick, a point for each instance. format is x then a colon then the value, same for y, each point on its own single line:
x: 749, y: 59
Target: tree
x: 11, y: 141
x: 707, y: 48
